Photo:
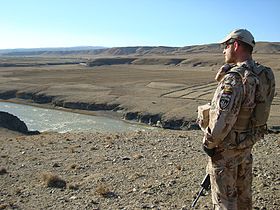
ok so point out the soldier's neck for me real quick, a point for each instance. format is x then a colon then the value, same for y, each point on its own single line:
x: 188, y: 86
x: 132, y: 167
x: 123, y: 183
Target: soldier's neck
x: 242, y: 59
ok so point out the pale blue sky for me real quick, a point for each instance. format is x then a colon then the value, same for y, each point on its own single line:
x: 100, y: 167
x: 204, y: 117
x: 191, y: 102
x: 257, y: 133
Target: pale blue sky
x: 112, y: 23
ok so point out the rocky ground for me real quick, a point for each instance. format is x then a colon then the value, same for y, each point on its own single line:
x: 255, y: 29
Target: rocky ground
x: 143, y: 170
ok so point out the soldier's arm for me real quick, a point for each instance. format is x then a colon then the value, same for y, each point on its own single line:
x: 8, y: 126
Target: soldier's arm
x: 224, y: 110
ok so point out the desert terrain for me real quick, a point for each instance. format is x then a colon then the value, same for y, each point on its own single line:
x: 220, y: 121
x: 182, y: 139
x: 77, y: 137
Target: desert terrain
x: 157, y: 88
x: 161, y: 169
x: 142, y: 170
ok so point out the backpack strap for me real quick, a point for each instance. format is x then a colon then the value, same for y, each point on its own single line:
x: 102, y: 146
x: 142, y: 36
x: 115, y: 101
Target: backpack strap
x: 243, y: 79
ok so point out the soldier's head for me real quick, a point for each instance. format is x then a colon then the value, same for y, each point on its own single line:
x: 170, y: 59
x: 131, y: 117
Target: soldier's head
x: 238, y: 46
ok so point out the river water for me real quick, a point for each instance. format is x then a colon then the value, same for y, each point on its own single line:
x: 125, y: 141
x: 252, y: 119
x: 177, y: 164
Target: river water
x: 42, y: 119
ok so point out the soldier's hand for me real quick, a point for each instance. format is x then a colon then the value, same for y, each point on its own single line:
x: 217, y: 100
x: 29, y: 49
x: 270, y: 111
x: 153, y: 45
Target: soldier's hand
x: 209, y: 152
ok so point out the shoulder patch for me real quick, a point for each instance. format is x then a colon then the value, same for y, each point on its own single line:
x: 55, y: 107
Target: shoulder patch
x: 224, y: 101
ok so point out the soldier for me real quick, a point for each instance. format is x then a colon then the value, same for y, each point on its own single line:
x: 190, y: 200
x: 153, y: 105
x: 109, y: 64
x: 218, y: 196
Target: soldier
x: 232, y: 131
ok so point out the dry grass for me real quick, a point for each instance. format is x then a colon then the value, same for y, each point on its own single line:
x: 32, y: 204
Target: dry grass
x: 102, y: 190
x: 73, y: 166
x: 137, y: 156
x: 105, y: 192
x: 74, y: 186
x: 3, y: 206
x: 3, y: 171
x: 179, y: 167
x: 53, y: 180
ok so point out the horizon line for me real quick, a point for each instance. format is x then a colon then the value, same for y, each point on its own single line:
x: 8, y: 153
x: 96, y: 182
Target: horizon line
x: 107, y: 47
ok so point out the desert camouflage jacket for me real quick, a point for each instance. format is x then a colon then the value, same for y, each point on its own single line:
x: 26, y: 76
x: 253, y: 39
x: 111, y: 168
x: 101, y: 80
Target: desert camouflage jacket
x: 231, y: 95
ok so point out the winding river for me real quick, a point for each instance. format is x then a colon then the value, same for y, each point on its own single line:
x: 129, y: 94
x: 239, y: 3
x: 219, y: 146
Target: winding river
x: 43, y: 119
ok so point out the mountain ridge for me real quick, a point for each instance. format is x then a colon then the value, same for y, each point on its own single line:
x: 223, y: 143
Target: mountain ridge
x: 261, y: 47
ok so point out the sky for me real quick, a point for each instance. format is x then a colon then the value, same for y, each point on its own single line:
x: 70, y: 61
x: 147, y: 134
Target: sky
x: 120, y: 23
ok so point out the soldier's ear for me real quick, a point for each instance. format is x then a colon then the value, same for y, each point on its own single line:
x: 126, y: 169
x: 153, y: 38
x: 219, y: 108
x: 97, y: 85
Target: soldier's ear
x: 236, y: 45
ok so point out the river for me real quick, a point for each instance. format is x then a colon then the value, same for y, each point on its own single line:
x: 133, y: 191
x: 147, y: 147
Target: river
x: 43, y: 119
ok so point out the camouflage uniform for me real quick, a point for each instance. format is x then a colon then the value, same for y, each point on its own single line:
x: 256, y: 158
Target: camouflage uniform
x: 230, y: 168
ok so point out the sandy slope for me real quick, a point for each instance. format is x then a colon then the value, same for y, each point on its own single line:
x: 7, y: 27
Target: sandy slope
x: 154, y: 170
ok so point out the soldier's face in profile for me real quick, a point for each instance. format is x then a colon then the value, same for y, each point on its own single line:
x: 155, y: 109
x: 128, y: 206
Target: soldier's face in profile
x: 229, y: 52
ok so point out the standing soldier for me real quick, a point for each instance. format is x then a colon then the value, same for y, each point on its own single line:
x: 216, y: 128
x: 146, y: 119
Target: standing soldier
x: 237, y: 119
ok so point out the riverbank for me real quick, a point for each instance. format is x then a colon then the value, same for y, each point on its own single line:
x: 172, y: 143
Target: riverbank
x: 138, y: 170
x: 58, y: 120
x: 113, y: 115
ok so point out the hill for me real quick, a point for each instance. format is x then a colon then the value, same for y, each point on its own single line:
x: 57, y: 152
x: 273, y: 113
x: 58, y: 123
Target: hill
x: 261, y: 47
x: 42, y: 51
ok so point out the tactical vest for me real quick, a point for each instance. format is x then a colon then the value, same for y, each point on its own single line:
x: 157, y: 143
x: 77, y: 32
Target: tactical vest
x: 256, y: 116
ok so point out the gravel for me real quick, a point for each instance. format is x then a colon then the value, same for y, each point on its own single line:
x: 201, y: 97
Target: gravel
x: 159, y: 169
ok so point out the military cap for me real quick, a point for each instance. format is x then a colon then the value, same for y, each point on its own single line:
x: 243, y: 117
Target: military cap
x: 242, y: 35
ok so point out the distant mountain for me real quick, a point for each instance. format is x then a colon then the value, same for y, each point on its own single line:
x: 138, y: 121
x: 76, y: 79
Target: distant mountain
x: 267, y: 47
x: 261, y: 47
x: 55, y: 49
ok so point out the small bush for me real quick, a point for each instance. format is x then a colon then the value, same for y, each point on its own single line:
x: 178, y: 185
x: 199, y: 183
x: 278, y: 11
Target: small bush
x: 179, y: 167
x: 3, y: 206
x: 3, y: 171
x: 73, y: 166
x: 53, y: 180
x: 74, y: 186
x: 105, y: 192
x: 102, y: 190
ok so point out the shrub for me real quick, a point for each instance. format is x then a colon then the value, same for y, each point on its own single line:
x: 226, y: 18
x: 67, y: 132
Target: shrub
x: 53, y: 180
x: 3, y: 171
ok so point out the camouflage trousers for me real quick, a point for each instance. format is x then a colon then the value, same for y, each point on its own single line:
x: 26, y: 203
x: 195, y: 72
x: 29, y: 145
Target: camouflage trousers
x: 231, y: 179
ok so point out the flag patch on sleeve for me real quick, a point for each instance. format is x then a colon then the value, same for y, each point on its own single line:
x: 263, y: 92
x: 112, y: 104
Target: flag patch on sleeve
x: 227, y: 89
